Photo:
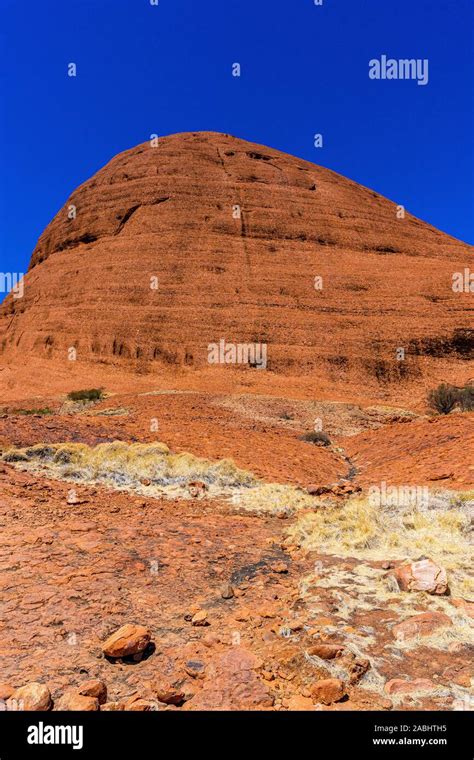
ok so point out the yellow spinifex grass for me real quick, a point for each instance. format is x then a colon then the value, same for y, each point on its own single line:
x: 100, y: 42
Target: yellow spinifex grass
x: 133, y: 462
x: 123, y: 465
x: 372, y: 532
x: 273, y: 497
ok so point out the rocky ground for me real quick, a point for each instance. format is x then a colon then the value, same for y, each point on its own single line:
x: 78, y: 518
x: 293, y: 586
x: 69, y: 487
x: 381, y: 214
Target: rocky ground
x: 224, y: 607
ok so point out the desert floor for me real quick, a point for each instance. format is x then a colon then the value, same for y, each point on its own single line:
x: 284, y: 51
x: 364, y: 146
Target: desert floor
x: 265, y: 582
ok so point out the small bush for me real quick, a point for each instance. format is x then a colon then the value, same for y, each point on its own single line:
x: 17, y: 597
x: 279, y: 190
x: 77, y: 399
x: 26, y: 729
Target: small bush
x: 93, y: 394
x: 466, y: 398
x: 317, y: 437
x: 443, y: 398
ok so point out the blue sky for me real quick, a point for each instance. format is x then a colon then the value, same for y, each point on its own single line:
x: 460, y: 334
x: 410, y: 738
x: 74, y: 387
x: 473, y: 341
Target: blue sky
x: 144, y: 69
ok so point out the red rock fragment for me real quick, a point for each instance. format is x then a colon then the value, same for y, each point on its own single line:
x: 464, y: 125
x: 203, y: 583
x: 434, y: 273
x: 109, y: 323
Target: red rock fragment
x: 129, y: 640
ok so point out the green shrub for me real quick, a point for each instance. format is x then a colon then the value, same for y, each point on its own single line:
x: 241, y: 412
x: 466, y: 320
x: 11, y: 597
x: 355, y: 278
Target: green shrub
x: 444, y: 398
x: 466, y: 398
x: 93, y: 394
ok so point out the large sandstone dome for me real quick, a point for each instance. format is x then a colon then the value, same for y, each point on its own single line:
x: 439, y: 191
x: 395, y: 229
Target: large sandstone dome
x: 158, y: 263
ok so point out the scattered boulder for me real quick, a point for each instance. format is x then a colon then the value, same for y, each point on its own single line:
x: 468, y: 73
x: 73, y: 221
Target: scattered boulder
x: 346, y: 489
x: 328, y: 690
x: 356, y: 667
x: 337, y: 489
x: 326, y: 651
x: 424, y: 575
x: 421, y: 625
x: 129, y: 640
x: 296, y: 625
x: 72, y: 700
x: 227, y: 592
x: 32, y: 697
x: 200, y: 618
x: 94, y: 688
x: 112, y: 707
x: 195, y: 668
x: 169, y: 693
x: 315, y: 490
x: 143, y: 705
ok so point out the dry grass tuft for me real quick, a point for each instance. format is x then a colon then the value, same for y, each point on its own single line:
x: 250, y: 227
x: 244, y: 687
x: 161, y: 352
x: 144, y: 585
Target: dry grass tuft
x: 123, y: 465
x: 362, y: 530
x: 274, y: 498
x: 127, y: 466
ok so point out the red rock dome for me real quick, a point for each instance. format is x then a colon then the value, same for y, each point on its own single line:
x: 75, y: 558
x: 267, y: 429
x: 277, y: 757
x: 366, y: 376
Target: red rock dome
x: 208, y: 237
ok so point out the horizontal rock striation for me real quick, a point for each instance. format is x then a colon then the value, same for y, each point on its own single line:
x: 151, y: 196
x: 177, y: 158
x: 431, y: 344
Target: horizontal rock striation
x: 208, y: 237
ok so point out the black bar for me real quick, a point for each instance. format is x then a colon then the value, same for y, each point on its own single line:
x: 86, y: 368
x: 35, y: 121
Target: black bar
x: 315, y: 734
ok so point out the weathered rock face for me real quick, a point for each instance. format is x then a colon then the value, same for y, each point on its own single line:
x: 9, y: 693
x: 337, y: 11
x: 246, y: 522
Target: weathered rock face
x: 207, y: 237
x: 234, y: 685
x: 402, y: 686
x: 421, y: 625
x: 424, y: 575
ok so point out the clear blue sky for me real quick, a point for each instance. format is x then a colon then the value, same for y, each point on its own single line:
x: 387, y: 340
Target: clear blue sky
x: 143, y: 69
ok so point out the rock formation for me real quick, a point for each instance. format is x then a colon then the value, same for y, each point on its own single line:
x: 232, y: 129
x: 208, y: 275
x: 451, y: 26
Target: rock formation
x: 205, y: 237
